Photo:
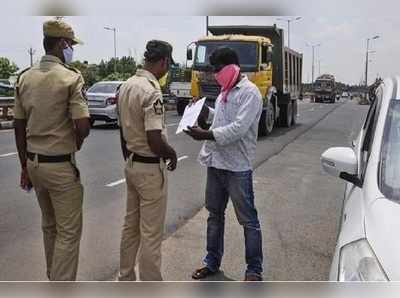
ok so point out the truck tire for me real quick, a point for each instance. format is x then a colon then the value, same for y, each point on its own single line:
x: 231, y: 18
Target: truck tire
x: 294, y: 112
x: 180, y: 107
x: 285, y: 115
x: 267, y: 121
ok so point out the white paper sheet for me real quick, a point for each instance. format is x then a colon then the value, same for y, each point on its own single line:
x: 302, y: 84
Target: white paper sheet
x: 190, y: 115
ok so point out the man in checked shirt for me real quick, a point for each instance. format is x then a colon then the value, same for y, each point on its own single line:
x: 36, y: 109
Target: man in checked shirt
x: 228, y: 152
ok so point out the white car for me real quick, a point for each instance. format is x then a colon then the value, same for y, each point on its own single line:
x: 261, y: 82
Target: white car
x: 368, y: 244
x: 102, y: 99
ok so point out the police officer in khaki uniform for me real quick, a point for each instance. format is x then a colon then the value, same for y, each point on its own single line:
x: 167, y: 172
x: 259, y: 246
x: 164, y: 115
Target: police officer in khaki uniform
x: 51, y: 122
x: 145, y: 149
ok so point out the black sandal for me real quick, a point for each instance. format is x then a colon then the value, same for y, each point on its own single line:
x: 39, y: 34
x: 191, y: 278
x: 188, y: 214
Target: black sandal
x: 202, y: 273
x: 253, y: 277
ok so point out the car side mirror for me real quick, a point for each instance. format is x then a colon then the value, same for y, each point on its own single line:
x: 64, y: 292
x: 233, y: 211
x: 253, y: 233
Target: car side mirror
x: 341, y: 162
x: 189, y: 54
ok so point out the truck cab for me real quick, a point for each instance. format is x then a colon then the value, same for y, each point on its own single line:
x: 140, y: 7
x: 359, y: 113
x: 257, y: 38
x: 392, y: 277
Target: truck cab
x: 325, y: 89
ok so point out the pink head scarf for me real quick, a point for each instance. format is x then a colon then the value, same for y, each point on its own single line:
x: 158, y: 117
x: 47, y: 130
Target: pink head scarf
x: 227, y: 78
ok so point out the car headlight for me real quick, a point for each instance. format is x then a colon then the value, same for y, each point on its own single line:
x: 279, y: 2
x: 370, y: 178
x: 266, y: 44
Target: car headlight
x: 358, y: 262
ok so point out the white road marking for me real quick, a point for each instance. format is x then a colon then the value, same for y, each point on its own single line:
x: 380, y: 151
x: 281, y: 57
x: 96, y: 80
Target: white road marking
x: 118, y: 182
x: 172, y: 124
x: 8, y: 154
x: 183, y: 157
x: 6, y: 130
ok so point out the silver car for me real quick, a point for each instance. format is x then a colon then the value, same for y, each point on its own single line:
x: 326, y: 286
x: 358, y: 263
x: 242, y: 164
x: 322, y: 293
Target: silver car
x: 102, y: 100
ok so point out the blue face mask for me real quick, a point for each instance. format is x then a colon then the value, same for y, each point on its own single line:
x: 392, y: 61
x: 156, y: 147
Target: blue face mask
x: 68, y: 54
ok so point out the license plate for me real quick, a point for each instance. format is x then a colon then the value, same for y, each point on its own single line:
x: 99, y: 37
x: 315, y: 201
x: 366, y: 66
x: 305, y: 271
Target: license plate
x: 95, y: 104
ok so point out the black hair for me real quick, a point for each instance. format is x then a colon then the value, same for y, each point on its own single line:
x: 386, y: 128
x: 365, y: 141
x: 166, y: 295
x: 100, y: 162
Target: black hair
x: 224, y: 56
x: 49, y: 43
x: 154, y: 56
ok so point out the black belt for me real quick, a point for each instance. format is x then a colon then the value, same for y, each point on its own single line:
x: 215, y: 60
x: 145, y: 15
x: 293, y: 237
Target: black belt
x: 50, y: 159
x: 144, y: 159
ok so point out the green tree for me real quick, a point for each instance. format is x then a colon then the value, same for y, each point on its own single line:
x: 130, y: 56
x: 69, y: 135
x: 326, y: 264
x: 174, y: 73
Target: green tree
x: 7, y: 68
x: 104, y: 71
x: 126, y: 65
x: 89, y: 72
x: 117, y: 76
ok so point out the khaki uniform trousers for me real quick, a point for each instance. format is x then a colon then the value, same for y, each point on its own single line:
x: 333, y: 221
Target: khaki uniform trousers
x: 60, y: 196
x: 144, y: 221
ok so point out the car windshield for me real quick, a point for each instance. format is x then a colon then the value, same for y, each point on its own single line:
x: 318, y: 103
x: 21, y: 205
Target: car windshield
x: 390, y: 156
x: 5, y: 82
x: 104, y: 88
x: 6, y: 91
x: 247, y: 52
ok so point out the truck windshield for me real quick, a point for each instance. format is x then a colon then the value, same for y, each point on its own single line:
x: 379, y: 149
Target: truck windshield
x: 390, y: 157
x: 323, y: 85
x: 247, y: 52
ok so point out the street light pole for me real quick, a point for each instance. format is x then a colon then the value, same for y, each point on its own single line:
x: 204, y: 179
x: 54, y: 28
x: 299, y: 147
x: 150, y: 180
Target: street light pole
x: 31, y: 52
x: 313, y: 63
x: 288, y: 20
x: 319, y: 67
x: 312, y: 72
x: 115, y: 46
x: 207, y: 22
x: 313, y: 60
x: 366, y: 60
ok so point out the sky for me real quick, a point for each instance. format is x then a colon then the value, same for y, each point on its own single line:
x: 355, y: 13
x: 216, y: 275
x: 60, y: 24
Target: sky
x: 341, y: 53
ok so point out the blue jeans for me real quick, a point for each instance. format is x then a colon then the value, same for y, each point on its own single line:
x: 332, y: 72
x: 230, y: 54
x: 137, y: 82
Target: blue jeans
x: 222, y: 184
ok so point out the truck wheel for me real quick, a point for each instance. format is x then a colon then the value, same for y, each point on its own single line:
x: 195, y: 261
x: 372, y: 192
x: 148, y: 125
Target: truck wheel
x: 285, y: 115
x: 180, y: 107
x: 270, y: 121
x: 294, y: 112
x: 262, y: 127
x: 267, y: 121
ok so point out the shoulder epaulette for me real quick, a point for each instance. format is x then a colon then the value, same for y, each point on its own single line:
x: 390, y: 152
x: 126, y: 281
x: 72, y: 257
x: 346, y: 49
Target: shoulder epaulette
x: 154, y: 84
x: 71, y: 68
x: 20, y: 74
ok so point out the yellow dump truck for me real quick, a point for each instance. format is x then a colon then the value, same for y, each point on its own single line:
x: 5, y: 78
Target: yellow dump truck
x: 274, y: 68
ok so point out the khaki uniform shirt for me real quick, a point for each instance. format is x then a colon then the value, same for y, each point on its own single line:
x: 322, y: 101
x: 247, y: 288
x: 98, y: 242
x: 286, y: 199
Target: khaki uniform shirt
x: 50, y: 96
x: 141, y: 108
